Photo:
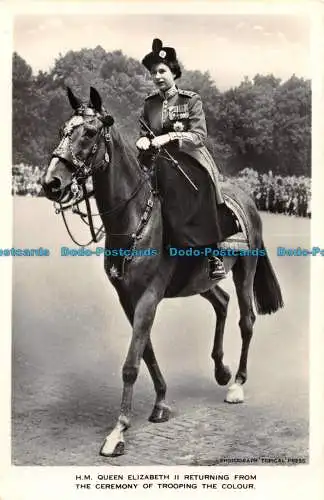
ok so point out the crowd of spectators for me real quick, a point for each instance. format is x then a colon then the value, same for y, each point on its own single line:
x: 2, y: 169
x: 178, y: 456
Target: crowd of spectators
x: 278, y: 194
x: 272, y: 193
x: 26, y: 180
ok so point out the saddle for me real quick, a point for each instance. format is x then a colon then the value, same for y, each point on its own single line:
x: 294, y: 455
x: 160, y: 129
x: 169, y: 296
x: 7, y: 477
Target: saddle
x: 231, y: 216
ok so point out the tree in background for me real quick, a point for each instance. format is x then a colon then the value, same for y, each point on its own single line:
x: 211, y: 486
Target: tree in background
x: 268, y: 125
x: 292, y: 127
x: 262, y: 123
x: 26, y: 114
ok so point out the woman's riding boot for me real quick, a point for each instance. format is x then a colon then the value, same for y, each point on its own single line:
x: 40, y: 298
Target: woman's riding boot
x: 216, y: 268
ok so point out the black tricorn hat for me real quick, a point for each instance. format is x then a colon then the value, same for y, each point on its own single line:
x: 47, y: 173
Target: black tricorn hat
x: 162, y: 54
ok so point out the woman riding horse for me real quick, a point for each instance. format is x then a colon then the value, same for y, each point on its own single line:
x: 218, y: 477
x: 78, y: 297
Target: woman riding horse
x: 91, y: 146
x: 177, y: 120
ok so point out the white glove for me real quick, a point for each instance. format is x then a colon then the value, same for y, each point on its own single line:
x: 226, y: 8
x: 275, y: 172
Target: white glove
x: 160, y: 140
x: 143, y: 143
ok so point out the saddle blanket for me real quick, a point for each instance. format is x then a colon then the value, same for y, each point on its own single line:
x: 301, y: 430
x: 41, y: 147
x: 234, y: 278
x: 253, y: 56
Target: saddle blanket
x: 239, y: 240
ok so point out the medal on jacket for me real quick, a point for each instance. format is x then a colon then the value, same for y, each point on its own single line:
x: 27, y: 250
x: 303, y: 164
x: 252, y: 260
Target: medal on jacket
x: 179, y: 112
x: 178, y: 127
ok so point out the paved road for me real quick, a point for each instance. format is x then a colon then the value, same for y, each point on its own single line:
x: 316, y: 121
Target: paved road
x: 70, y: 338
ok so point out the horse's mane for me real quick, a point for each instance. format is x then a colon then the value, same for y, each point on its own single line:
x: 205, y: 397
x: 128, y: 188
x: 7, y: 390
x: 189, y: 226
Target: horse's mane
x: 125, y: 150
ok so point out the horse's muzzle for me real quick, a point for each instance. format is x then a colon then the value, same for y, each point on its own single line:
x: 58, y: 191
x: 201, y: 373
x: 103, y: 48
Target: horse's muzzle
x: 56, y: 180
x: 54, y: 191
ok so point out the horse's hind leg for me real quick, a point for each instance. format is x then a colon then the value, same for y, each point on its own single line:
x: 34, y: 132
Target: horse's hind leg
x: 243, y: 274
x: 219, y: 300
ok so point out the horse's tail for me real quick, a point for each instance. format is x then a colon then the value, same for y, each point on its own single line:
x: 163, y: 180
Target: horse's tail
x: 266, y: 289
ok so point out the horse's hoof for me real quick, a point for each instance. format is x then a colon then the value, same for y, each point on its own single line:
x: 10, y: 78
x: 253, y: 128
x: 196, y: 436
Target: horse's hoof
x: 235, y: 394
x: 223, y: 375
x: 160, y: 414
x: 107, y: 451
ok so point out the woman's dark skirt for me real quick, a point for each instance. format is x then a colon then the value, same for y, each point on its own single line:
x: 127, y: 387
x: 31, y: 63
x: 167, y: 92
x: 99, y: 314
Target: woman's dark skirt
x: 191, y: 218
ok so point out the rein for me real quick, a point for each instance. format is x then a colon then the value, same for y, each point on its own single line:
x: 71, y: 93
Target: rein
x: 98, y: 234
x: 79, y: 190
x: 82, y: 172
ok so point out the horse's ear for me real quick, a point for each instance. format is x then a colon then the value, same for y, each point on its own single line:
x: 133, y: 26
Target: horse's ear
x: 95, y: 99
x: 74, y: 101
x: 108, y: 121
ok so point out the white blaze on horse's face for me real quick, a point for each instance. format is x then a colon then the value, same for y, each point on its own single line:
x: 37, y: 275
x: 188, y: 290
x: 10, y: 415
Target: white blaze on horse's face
x: 77, y: 138
x: 57, y: 170
x: 51, y: 170
x: 58, y: 176
x: 72, y: 130
x: 74, y: 159
x: 75, y: 121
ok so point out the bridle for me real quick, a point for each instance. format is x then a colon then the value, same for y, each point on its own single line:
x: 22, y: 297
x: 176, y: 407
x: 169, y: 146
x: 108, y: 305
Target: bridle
x: 83, y: 169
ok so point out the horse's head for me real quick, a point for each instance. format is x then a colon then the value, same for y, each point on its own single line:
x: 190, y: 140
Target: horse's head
x: 84, y: 148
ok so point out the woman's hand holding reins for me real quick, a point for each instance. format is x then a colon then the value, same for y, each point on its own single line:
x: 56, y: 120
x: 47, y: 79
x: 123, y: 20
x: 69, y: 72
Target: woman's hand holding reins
x: 144, y: 143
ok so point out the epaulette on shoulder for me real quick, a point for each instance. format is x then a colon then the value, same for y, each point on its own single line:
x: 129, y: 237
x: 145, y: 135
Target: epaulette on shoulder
x: 187, y: 93
x: 151, y: 95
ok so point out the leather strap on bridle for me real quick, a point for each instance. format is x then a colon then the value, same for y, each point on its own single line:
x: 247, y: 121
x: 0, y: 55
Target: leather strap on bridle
x: 82, y: 172
x: 86, y: 199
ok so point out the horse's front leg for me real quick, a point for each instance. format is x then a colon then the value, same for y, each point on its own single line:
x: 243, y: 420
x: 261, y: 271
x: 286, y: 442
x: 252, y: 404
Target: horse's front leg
x: 161, y: 411
x: 144, y: 314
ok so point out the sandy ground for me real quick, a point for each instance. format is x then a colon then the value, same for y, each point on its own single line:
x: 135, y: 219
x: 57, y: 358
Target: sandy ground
x: 70, y: 339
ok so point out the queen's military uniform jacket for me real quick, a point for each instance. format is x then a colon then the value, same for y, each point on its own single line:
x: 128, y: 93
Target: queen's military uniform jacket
x: 180, y: 113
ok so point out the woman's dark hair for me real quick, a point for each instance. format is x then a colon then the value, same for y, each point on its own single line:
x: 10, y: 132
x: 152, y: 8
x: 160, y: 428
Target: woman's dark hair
x: 175, y: 68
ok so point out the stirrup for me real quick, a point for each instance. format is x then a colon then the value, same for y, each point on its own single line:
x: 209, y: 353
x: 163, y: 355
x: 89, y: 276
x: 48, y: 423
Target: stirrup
x: 216, y: 268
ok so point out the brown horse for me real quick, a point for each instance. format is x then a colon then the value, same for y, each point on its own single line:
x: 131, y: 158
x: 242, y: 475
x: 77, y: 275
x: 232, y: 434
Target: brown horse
x: 131, y: 214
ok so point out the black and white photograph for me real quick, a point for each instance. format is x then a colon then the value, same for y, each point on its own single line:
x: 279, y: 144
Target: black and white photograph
x: 162, y: 203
